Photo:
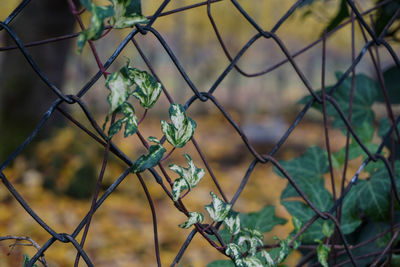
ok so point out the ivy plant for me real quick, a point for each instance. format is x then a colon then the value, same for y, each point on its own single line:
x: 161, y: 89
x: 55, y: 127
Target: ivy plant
x: 365, y: 209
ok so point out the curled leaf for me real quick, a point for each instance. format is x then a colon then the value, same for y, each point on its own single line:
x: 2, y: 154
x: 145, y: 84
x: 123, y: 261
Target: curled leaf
x: 194, y: 217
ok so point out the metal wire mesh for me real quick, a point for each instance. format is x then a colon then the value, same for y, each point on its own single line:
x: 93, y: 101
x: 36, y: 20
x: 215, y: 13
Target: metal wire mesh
x: 371, y: 40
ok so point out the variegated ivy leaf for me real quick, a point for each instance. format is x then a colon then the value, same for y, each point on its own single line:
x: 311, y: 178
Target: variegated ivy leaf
x: 252, y: 261
x: 284, y: 249
x: 192, y: 175
x: 118, y: 84
x: 232, y: 222
x: 129, y: 119
x: 233, y: 250
x: 253, y: 238
x: 323, y: 252
x: 99, y: 13
x: 268, y: 258
x: 178, y: 187
x: 147, y: 89
x: 127, y: 13
x: 218, y: 209
x: 150, y: 160
x: 181, y: 130
x: 194, y: 217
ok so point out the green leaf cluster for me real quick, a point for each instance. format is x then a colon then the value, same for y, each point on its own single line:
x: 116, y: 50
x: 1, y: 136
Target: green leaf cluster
x: 120, y: 84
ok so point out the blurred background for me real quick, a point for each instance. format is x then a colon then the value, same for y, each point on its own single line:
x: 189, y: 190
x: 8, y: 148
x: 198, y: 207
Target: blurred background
x: 56, y: 174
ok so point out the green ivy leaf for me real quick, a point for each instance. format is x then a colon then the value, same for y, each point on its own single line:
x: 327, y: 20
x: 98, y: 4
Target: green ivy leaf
x: 150, y: 160
x: 118, y: 84
x: 96, y: 28
x: 129, y: 119
x: 263, y: 220
x: 350, y: 219
x: 218, y: 209
x: 391, y: 77
x: 232, y: 222
x: 373, y: 195
x: 304, y: 213
x: 221, y: 263
x: 365, y: 94
x: 127, y: 13
x: 178, y: 187
x: 311, y: 164
x: 323, y: 253
x: 147, y: 90
x: 252, y: 261
x: 194, y: 217
x: 314, y: 188
x: 181, y: 130
x: 192, y: 175
x: 26, y: 261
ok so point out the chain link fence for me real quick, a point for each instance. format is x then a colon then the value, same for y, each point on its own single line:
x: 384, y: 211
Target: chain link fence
x: 372, y: 40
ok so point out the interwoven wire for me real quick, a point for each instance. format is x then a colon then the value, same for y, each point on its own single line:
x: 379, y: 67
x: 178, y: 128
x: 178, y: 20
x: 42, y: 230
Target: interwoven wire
x: 371, y: 41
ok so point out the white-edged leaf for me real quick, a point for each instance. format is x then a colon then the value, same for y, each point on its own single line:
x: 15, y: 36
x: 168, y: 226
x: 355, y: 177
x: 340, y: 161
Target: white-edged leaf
x: 181, y: 130
x: 252, y: 238
x: 118, y: 84
x: 147, y: 90
x: 284, y: 249
x: 233, y: 250
x: 268, y: 258
x: 194, y: 217
x: 232, y: 222
x: 94, y: 31
x: 218, y: 209
x: 129, y: 120
x: 153, y: 139
x: 127, y: 13
x: 150, y: 160
x: 192, y: 174
x: 178, y: 187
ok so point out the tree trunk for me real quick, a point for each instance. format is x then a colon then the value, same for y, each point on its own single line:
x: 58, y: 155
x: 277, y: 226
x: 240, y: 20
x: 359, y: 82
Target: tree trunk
x: 24, y: 97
